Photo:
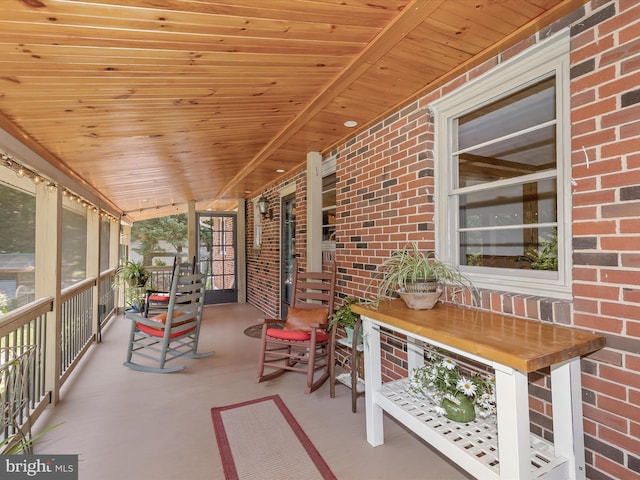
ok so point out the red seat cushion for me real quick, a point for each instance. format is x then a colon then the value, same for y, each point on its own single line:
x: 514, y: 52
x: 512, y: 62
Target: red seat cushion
x: 160, y: 297
x: 159, y: 332
x: 297, y: 335
x: 162, y: 318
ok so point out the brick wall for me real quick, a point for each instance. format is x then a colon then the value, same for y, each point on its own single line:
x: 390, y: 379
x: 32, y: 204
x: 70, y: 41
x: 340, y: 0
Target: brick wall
x: 263, y: 264
x: 384, y: 199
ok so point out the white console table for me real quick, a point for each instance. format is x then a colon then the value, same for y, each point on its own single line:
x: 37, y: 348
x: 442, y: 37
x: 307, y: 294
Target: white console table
x: 502, y: 449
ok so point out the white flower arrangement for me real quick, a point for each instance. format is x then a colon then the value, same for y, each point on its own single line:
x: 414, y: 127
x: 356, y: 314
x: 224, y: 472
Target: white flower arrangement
x: 441, y: 378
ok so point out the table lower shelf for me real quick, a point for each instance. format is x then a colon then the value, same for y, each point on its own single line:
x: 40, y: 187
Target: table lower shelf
x: 473, y: 446
x: 345, y: 379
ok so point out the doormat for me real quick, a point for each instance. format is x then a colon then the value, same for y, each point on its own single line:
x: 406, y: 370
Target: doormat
x: 255, y: 331
x: 260, y: 439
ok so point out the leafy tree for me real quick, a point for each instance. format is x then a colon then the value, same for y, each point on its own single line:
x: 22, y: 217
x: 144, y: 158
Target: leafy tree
x: 171, y: 229
x: 18, y: 208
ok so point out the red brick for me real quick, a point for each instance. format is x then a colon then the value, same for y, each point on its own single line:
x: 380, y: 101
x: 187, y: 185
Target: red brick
x: 620, y: 148
x: 613, y: 469
x: 601, y: 386
x: 585, y: 305
x: 626, y: 209
x: 594, y: 228
x: 598, y: 323
x: 630, y: 260
x: 621, y: 116
x: 630, y: 295
x: 584, y: 213
x: 593, y: 168
x: 592, y: 49
x: 621, y: 85
x: 585, y: 274
x: 581, y: 99
x: 596, y: 138
x: 619, y: 243
x: 626, y: 277
x: 604, y: 418
x: 633, y: 328
x: 630, y: 226
x: 594, y: 109
x: 632, y: 362
x: 595, y: 291
x: 621, y: 179
x: 630, y: 130
x: 617, y: 407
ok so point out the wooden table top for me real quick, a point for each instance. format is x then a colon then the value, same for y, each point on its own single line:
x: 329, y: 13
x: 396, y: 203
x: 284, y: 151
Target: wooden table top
x: 526, y: 345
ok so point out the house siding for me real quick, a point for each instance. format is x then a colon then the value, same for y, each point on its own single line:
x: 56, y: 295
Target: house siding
x: 385, y: 187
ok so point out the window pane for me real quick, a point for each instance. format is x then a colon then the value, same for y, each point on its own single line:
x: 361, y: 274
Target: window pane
x: 506, y: 248
x: 485, y: 218
x: 17, y: 246
x: 105, y: 244
x: 329, y: 207
x: 74, y: 246
x: 533, y: 202
x: 484, y: 155
x: 527, y: 108
x: 513, y: 157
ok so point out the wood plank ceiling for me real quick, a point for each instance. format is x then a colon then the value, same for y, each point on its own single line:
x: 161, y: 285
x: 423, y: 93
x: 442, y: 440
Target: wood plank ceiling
x: 156, y: 103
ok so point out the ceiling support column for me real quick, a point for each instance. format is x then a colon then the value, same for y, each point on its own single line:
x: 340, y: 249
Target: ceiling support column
x: 314, y: 212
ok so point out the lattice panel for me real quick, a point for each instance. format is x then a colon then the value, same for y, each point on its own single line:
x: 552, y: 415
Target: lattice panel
x: 478, y: 439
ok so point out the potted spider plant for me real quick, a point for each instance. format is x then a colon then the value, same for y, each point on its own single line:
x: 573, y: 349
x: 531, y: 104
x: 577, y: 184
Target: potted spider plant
x: 134, y: 277
x: 420, y: 278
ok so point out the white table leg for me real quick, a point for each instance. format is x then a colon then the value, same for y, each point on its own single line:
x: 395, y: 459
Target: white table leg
x: 415, y: 354
x: 512, y: 402
x: 566, y: 397
x: 373, y: 382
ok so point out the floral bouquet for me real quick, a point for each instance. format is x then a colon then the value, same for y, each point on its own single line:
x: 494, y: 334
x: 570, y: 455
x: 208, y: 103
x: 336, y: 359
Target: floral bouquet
x: 455, y: 395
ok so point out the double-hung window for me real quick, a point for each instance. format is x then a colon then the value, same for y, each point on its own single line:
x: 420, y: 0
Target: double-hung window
x: 503, y: 174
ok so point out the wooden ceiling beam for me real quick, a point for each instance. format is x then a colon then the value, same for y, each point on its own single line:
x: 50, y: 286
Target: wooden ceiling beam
x: 412, y: 16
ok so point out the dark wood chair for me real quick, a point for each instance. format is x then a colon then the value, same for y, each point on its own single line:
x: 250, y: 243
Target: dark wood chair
x: 302, y: 343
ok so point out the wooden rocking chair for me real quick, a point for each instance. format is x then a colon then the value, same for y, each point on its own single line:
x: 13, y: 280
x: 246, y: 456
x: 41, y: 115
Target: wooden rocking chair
x: 157, y: 301
x: 173, y: 333
x: 302, y: 344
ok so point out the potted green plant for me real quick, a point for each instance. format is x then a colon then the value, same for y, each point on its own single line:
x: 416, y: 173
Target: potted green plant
x: 134, y: 277
x: 134, y: 273
x: 419, y: 278
x: 454, y: 394
x: 347, y: 318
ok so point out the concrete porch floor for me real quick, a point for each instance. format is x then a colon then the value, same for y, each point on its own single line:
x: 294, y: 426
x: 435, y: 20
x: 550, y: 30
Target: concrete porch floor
x: 131, y: 425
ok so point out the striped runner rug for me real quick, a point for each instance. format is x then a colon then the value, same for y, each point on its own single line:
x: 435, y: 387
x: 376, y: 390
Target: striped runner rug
x: 260, y: 439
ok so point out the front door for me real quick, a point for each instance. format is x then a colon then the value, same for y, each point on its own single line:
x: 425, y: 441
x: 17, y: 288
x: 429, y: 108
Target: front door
x: 287, y: 252
x: 217, y: 256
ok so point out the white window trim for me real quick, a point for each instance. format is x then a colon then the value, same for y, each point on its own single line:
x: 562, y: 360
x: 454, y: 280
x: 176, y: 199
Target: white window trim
x: 257, y: 225
x: 534, y: 63
x: 328, y: 168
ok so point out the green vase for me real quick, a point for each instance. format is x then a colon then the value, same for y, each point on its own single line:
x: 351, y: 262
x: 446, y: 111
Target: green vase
x: 463, y: 413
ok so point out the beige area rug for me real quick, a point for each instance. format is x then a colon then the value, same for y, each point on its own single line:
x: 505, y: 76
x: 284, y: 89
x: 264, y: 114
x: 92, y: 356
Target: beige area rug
x: 260, y: 439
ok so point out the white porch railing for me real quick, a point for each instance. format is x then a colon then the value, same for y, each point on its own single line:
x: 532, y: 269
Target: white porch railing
x: 29, y: 327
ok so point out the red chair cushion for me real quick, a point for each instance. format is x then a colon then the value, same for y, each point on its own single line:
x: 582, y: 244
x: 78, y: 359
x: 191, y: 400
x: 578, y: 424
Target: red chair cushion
x: 159, y: 297
x: 162, y: 318
x: 159, y: 332
x: 296, y: 335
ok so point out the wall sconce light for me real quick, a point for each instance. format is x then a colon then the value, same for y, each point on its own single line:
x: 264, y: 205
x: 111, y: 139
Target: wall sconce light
x: 263, y: 207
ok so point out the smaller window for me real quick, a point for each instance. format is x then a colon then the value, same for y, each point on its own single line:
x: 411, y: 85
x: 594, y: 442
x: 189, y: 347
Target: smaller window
x: 329, y: 208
